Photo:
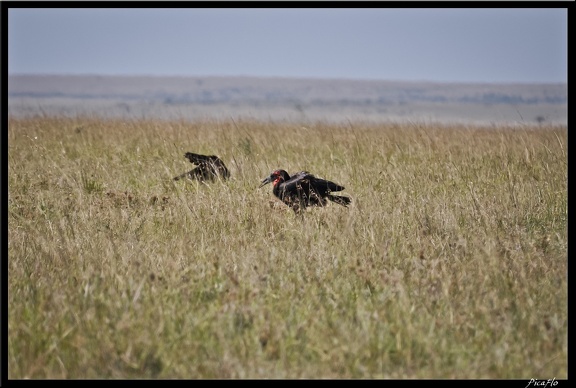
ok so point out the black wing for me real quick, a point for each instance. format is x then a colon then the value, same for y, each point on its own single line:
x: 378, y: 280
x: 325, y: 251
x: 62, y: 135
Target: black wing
x: 209, y: 167
x: 324, y: 186
x: 299, y: 181
x: 200, y: 159
x: 301, y: 189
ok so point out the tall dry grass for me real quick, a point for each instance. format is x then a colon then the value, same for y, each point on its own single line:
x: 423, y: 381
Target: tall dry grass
x: 450, y: 263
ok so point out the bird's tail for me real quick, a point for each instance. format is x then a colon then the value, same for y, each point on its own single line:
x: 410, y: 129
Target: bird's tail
x: 341, y: 200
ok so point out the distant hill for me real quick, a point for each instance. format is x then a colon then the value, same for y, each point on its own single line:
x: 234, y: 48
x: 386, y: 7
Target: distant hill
x: 285, y: 98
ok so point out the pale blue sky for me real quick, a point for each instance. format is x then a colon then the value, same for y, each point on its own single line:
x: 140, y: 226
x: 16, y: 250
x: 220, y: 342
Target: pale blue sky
x: 435, y: 44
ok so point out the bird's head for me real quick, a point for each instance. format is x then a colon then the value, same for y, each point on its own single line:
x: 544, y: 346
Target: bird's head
x: 275, y: 177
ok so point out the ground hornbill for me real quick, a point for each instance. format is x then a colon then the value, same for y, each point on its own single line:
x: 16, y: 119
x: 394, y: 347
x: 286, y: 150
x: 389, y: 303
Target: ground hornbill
x: 209, y: 168
x: 303, y: 189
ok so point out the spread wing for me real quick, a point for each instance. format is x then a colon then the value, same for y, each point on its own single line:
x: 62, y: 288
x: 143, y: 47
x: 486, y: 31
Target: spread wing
x: 209, y: 167
x: 199, y: 159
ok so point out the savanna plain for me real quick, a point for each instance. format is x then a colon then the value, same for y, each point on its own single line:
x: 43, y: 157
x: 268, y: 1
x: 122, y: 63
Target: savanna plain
x: 451, y: 261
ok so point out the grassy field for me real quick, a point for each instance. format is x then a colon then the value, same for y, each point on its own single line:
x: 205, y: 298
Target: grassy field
x: 451, y: 261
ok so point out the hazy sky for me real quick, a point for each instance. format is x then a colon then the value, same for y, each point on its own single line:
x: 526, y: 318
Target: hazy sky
x: 435, y: 44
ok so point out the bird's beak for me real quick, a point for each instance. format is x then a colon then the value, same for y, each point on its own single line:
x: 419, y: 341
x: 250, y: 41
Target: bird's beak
x: 265, y: 181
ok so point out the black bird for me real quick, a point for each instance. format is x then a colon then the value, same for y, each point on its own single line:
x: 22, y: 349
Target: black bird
x: 303, y: 189
x: 209, y: 168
